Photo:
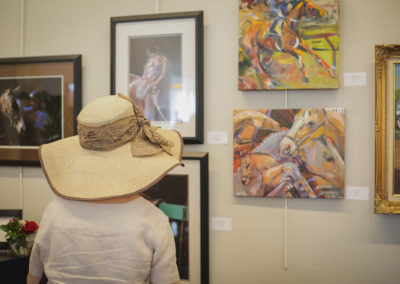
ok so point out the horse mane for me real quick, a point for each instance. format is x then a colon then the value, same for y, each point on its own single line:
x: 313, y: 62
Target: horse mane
x: 270, y: 145
x: 335, y: 128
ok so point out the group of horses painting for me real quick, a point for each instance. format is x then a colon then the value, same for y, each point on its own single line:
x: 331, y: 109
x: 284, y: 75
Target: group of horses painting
x: 258, y: 45
x: 305, y: 160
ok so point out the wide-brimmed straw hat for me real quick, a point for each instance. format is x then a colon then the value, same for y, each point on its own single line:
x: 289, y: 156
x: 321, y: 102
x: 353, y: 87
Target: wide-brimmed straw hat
x: 117, y: 153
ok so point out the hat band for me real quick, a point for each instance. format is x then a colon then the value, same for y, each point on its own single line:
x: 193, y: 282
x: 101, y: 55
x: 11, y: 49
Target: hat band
x: 146, y: 141
x: 109, y: 136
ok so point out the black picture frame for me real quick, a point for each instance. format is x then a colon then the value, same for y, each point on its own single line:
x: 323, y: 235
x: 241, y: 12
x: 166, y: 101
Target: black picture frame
x: 52, y: 81
x: 180, y: 37
x: 183, y: 196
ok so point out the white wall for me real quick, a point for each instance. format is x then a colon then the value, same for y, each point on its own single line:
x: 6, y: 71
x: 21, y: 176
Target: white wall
x: 330, y: 241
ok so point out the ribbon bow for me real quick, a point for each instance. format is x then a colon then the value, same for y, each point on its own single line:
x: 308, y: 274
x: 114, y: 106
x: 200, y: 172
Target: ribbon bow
x: 148, y: 141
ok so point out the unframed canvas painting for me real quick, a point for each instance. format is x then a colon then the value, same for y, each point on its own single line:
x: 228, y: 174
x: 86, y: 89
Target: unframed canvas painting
x: 289, y: 153
x: 288, y: 44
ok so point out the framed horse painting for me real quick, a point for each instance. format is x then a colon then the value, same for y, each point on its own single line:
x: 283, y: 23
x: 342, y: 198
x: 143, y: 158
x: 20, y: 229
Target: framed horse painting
x: 40, y: 98
x: 289, y: 153
x: 158, y: 61
x: 288, y: 44
x: 387, y: 129
x: 183, y: 197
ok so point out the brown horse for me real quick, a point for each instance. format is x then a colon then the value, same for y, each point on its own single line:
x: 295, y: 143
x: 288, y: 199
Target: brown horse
x: 145, y: 89
x: 256, y: 41
x: 257, y: 120
x: 263, y: 172
x: 11, y: 121
x: 261, y: 175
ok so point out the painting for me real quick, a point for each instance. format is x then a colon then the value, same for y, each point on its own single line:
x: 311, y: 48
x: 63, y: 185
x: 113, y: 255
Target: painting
x: 396, y: 85
x: 161, y: 65
x: 183, y: 197
x: 38, y: 113
x: 157, y: 61
x: 40, y: 98
x: 289, y: 153
x: 171, y: 196
x: 387, y: 129
x: 288, y: 44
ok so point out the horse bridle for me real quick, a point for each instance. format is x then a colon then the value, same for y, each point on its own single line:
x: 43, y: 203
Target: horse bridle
x: 298, y: 143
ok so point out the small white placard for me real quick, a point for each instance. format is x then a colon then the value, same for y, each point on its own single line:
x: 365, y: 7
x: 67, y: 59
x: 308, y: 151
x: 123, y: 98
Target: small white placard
x: 357, y: 192
x: 221, y: 224
x: 217, y: 137
x: 355, y: 79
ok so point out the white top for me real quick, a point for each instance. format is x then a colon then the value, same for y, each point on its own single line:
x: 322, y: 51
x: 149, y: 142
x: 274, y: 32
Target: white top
x: 81, y: 242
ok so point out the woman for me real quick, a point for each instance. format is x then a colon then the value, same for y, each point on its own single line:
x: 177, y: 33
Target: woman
x: 98, y: 229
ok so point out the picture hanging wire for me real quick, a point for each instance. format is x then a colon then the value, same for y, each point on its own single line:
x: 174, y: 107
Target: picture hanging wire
x: 286, y: 99
x: 21, y: 54
x: 285, y: 265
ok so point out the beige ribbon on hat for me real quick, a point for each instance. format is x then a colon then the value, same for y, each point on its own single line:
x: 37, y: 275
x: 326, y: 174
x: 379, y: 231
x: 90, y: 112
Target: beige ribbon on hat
x: 146, y: 141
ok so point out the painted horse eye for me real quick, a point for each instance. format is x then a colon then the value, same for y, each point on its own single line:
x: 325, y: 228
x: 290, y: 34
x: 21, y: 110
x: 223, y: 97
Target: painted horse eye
x: 312, y: 123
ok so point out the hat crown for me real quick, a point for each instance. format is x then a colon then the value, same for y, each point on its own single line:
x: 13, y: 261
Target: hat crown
x: 105, y: 110
x: 101, y: 161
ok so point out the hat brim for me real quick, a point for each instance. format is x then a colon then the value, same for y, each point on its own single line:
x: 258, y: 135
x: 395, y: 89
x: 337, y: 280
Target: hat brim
x: 80, y: 174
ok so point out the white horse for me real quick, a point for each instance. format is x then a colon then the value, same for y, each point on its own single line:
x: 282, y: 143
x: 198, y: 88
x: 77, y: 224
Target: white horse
x: 317, y: 137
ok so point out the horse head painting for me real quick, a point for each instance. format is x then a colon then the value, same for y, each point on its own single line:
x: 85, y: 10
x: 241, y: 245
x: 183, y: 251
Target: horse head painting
x: 304, y: 158
x: 145, y: 89
x: 30, y: 111
x: 288, y: 44
x: 11, y: 121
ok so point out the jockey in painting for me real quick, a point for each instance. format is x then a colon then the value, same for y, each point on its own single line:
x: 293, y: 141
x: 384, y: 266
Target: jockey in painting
x: 280, y: 9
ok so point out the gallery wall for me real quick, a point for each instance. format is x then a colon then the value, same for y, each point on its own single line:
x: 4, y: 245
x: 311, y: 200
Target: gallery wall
x: 328, y: 241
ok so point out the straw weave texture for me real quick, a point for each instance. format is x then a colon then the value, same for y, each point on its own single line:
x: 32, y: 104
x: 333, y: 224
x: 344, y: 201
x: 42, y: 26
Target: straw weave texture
x: 74, y: 172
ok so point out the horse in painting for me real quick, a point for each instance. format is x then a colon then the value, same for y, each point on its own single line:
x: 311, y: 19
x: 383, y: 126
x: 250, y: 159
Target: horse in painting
x: 258, y: 43
x: 249, y: 123
x: 317, y: 137
x: 11, y: 120
x: 146, y: 89
x: 263, y: 172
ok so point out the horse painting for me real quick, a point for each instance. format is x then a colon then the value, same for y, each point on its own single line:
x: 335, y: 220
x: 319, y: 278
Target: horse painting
x: 263, y: 172
x: 11, y: 120
x: 281, y: 42
x: 249, y: 123
x: 145, y: 89
x: 317, y: 137
x: 264, y: 176
x: 170, y: 195
x: 305, y: 161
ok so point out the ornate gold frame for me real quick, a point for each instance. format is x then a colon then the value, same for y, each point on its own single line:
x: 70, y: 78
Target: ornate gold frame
x: 384, y: 129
